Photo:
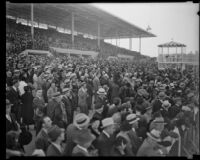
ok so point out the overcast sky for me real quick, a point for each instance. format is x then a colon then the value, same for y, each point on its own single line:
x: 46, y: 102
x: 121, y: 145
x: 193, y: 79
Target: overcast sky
x: 167, y: 20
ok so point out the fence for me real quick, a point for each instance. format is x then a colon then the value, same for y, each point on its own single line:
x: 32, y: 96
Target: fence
x: 190, y: 139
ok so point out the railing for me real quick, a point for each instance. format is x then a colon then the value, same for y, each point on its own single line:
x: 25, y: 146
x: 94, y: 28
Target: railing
x: 190, y: 139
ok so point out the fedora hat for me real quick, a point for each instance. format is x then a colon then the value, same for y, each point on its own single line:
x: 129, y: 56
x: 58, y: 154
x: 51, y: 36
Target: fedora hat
x: 132, y: 118
x: 155, y: 135
x: 83, y: 137
x: 81, y: 120
x: 161, y: 95
x: 65, y: 90
x: 190, y: 95
x: 142, y: 92
x: 56, y: 94
x: 166, y: 104
x: 159, y: 120
x: 101, y: 91
x: 54, y: 132
x: 107, y: 122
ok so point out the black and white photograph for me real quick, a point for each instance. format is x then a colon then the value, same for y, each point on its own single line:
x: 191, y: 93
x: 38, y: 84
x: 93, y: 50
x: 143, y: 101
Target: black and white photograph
x: 102, y: 79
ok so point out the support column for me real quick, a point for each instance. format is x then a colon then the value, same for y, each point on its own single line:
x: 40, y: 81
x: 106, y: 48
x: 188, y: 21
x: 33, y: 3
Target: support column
x: 98, y: 36
x: 72, y: 28
x: 130, y: 43
x: 32, y: 28
x: 140, y: 44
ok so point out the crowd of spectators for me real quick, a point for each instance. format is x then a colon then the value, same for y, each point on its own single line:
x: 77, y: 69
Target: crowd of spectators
x: 19, y: 38
x: 87, y: 107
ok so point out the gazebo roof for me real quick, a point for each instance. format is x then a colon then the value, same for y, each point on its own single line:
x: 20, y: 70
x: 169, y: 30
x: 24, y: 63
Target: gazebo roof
x: 172, y: 44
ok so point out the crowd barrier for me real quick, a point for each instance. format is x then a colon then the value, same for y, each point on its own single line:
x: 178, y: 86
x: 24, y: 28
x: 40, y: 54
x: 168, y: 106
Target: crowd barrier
x: 190, y: 139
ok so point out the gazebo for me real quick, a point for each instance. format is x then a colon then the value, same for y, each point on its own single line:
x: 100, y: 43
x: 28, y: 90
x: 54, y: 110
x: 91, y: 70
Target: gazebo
x: 171, y: 54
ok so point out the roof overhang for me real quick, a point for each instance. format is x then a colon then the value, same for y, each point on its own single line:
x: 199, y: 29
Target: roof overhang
x: 86, y: 19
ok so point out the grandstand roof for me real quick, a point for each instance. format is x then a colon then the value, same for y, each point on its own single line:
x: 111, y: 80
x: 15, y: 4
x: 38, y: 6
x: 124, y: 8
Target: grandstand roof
x: 86, y: 18
x: 172, y: 44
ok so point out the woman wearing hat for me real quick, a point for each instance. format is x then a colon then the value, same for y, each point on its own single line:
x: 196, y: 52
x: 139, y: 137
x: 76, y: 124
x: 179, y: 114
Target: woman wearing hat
x: 27, y: 107
x: 56, y: 136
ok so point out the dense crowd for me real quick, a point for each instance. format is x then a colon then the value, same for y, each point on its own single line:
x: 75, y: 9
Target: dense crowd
x: 87, y: 107
x: 19, y: 38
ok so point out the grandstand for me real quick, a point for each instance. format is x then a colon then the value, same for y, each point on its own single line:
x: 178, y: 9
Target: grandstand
x: 83, y: 27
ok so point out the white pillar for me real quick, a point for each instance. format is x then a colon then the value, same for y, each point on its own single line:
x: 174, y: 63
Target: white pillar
x: 72, y: 28
x: 140, y: 44
x: 130, y: 43
x: 32, y: 28
x: 98, y: 36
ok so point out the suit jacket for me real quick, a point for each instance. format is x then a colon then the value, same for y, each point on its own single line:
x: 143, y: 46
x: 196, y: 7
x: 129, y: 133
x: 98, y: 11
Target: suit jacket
x: 69, y: 108
x: 96, y: 84
x: 13, y: 96
x: 157, y: 104
x: 82, y: 97
x: 79, y: 152
x: 51, y: 106
x: 135, y: 141
x: 147, y: 150
x: 104, y: 145
x: 11, y: 125
x: 70, y: 132
x: 53, y: 151
x: 41, y: 141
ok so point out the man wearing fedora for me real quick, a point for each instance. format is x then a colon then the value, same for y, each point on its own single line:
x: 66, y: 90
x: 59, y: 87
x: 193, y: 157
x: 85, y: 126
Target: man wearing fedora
x: 11, y: 123
x: 42, y: 139
x: 157, y: 103
x: 56, y: 136
x: 83, y: 141
x: 53, y: 104
x: 102, y: 99
x: 68, y: 102
x: 14, y: 97
x: 81, y: 123
x: 82, y: 98
x: 136, y: 142
x: 150, y: 147
x: 106, y: 139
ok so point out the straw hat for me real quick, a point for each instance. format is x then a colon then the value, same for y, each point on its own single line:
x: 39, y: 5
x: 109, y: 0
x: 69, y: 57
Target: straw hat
x: 132, y: 118
x: 107, y: 122
x: 81, y: 120
x: 166, y: 104
x: 155, y: 135
x: 84, y: 137
x: 101, y: 91
x: 159, y: 120
x: 161, y: 95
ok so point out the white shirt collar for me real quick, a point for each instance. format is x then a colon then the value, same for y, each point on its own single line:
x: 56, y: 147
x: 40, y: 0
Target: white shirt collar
x: 8, y: 117
x: 106, y: 133
x: 133, y: 129
x: 84, y: 149
x: 14, y: 88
